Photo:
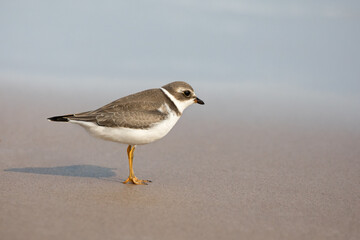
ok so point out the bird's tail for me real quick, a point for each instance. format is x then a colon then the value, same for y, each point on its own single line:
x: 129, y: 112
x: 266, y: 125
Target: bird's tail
x: 63, y: 118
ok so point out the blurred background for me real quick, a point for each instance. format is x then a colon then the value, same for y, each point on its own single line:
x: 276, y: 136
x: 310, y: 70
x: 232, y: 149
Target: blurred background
x: 261, y: 55
x: 273, y: 154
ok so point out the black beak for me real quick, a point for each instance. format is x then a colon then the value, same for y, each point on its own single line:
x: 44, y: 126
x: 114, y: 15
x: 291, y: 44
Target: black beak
x: 199, y: 101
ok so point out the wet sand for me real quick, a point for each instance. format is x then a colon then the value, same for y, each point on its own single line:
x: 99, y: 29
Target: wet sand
x: 215, y: 176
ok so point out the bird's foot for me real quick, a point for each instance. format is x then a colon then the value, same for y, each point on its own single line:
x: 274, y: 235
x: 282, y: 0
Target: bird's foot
x: 136, y: 181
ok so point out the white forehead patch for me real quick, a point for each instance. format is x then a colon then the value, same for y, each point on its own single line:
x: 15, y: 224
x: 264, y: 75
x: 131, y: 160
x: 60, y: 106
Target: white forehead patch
x: 181, y: 89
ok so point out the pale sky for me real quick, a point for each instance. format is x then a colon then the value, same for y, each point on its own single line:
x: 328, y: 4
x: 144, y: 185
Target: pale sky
x: 312, y: 44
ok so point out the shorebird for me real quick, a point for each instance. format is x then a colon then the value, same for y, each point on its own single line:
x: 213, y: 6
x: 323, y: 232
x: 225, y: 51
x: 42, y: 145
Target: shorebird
x: 137, y: 119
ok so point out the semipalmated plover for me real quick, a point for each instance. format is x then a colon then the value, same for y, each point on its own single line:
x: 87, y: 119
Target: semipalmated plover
x: 137, y: 119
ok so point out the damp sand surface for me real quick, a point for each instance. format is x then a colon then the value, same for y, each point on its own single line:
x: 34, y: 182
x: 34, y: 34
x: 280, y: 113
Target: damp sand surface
x: 248, y: 174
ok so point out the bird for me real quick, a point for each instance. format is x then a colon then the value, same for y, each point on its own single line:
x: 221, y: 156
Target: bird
x: 137, y: 119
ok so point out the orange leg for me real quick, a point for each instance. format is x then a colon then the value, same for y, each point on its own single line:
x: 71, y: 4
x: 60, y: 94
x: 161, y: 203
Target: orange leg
x: 132, y: 178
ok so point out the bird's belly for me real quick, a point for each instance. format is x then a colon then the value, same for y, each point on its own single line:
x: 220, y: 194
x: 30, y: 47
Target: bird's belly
x: 129, y: 135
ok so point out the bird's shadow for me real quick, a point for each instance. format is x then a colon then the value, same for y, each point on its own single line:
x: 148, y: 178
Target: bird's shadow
x: 89, y: 171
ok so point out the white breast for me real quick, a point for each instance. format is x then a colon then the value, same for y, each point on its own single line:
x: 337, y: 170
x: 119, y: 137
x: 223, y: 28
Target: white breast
x: 132, y: 136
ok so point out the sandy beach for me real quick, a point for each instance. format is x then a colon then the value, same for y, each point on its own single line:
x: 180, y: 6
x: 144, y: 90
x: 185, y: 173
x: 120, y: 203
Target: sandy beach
x: 249, y: 174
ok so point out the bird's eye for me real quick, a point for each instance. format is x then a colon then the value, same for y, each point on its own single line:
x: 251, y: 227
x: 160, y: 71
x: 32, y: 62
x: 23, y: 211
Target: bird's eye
x: 187, y: 93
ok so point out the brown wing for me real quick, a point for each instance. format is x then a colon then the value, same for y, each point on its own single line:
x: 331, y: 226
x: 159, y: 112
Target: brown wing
x: 139, y: 110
